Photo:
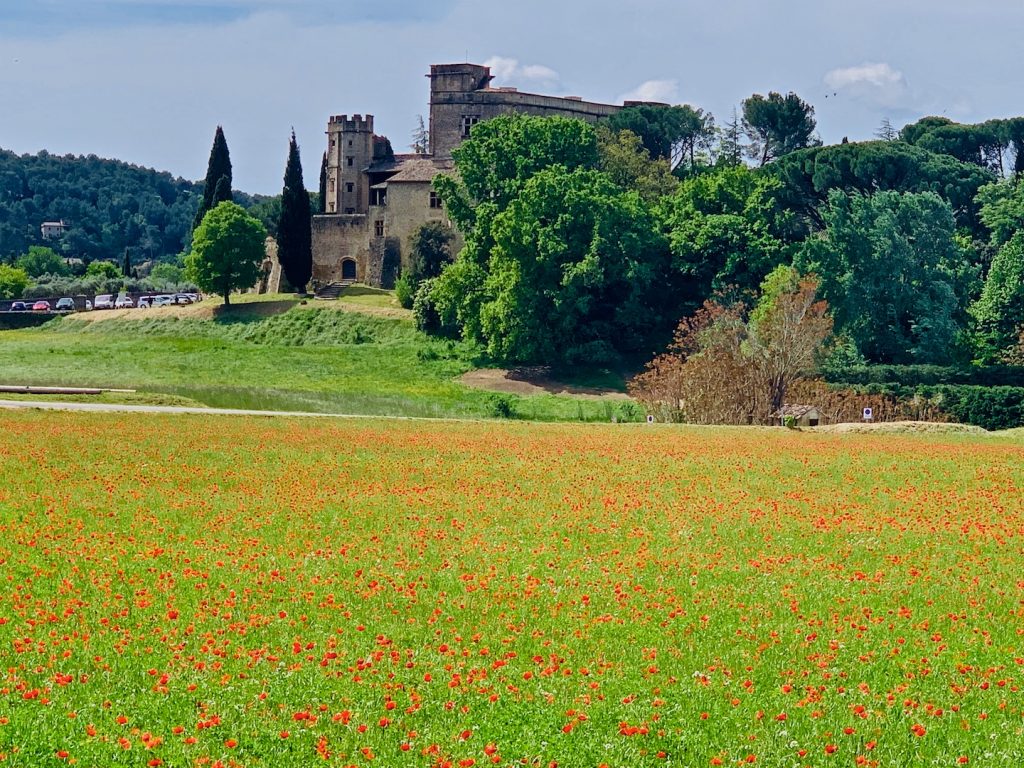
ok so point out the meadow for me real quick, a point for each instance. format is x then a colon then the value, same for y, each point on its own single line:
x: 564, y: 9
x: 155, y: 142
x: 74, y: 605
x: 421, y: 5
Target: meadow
x: 211, y: 591
x: 360, y: 356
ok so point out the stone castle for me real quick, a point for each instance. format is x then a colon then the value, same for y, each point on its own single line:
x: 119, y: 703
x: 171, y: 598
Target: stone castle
x: 376, y: 200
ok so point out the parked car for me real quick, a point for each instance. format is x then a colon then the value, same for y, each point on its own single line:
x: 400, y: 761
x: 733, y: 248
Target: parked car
x: 65, y: 304
x: 41, y: 306
x: 163, y: 301
x: 88, y: 305
x: 145, y: 302
x: 19, y: 306
x: 124, y: 302
x: 104, y: 301
x: 184, y: 298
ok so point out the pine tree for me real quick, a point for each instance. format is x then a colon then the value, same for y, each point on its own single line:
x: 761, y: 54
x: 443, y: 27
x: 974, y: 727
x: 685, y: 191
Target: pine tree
x: 217, y: 187
x: 294, y: 228
x: 323, y: 184
x: 730, y: 142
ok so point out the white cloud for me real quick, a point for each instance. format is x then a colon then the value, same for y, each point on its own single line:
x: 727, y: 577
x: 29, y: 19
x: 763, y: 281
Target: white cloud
x: 510, y: 71
x: 666, y: 91
x: 877, y: 83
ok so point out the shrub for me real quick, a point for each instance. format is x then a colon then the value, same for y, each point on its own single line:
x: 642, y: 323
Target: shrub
x: 405, y: 291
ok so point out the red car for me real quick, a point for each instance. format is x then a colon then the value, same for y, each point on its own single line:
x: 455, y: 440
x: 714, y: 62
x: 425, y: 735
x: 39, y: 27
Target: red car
x: 41, y: 306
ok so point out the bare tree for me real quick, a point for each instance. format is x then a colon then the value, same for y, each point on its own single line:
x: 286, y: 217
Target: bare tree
x: 726, y: 368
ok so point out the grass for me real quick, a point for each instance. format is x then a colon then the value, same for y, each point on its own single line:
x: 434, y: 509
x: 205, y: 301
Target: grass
x: 283, y: 592
x: 270, y: 352
x: 109, y: 398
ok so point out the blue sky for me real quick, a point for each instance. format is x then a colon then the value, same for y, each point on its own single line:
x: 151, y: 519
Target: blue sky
x: 147, y: 81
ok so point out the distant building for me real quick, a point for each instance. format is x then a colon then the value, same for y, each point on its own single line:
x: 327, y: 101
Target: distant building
x: 798, y: 415
x: 51, y: 230
x: 377, y: 199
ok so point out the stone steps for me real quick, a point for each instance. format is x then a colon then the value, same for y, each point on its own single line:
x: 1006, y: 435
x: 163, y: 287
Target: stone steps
x: 332, y: 291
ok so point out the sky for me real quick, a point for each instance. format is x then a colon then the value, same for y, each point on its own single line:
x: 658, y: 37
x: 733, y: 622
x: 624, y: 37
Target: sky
x: 148, y: 81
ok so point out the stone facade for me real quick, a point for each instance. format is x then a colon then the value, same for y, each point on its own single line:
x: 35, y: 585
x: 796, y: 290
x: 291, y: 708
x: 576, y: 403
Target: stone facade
x: 376, y: 200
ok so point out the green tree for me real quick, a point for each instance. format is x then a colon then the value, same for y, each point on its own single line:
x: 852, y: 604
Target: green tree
x: 723, y: 231
x: 41, y: 260
x: 498, y: 160
x: 810, y: 175
x: 893, y: 273
x: 217, y: 187
x: 1002, y: 210
x: 294, y: 229
x: 228, y: 248
x: 628, y: 163
x: 778, y: 125
x: 430, y: 251
x: 574, y: 273
x: 999, y: 312
x: 676, y: 134
x: 13, y: 281
x: 103, y: 269
x: 126, y: 265
x: 167, y: 274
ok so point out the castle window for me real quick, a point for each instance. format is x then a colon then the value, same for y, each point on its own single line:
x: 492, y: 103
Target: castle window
x: 330, y: 207
x: 349, y: 186
x: 468, y: 121
x: 351, y: 161
x: 378, y: 228
x: 435, y: 200
x: 378, y: 197
x: 332, y: 185
x: 332, y: 143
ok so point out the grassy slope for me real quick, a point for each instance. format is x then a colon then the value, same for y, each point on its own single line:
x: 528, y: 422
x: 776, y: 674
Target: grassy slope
x: 313, y: 357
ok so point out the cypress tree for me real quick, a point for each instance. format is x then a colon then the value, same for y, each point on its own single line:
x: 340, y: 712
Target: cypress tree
x: 217, y: 187
x: 126, y: 268
x: 294, y: 228
x: 323, y: 184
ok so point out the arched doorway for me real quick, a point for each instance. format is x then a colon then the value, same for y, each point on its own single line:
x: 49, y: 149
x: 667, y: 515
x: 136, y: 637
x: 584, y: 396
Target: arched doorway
x: 348, y: 269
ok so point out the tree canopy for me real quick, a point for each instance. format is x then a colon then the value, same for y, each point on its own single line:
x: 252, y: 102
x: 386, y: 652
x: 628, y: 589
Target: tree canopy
x: 108, y: 206
x: 777, y: 125
x: 228, y: 248
x: 893, y: 274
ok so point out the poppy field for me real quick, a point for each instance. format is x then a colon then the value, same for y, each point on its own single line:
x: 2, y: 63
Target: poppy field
x: 212, y: 591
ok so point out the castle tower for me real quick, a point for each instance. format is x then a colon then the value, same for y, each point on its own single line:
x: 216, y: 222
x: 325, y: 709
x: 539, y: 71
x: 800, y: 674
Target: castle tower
x: 454, y: 110
x: 349, y: 153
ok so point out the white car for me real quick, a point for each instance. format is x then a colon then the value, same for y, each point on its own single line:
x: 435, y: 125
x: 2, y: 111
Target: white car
x: 105, y: 301
x: 124, y: 302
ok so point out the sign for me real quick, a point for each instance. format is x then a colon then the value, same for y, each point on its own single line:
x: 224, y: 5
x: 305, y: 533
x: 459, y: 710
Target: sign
x: 650, y: 418
x: 869, y: 414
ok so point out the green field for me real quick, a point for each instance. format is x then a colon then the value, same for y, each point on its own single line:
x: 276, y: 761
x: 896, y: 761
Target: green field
x: 284, y: 592
x: 361, y: 356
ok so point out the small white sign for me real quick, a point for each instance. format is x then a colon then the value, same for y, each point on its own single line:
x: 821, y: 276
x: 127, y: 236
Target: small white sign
x: 650, y: 418
x: 869, y: 414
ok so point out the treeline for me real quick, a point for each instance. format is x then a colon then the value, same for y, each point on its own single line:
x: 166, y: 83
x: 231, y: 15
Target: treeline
x: 584, y: 244
x: 111, y: 208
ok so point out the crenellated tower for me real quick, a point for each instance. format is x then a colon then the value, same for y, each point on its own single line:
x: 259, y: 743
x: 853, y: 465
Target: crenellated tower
x: 349, y: 154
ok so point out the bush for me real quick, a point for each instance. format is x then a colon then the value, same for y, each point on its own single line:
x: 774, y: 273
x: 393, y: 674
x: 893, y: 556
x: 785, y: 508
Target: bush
x: 424, y: 310
x: 989, y: 407
x: 928, y: 375
x: 405, y: 291
x: 500, y: 406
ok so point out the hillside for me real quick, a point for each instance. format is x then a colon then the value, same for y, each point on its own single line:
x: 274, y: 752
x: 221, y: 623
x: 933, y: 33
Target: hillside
x: 110, y: 206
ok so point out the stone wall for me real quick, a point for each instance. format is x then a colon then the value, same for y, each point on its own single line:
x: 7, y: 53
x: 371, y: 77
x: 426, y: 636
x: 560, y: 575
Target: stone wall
x: 409, y: 209
x: 335, y: 239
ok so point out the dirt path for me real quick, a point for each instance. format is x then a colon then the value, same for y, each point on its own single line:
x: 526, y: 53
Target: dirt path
x: 526, y: 381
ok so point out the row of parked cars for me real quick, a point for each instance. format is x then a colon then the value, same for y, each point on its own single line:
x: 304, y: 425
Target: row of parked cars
x: 106, y: 301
